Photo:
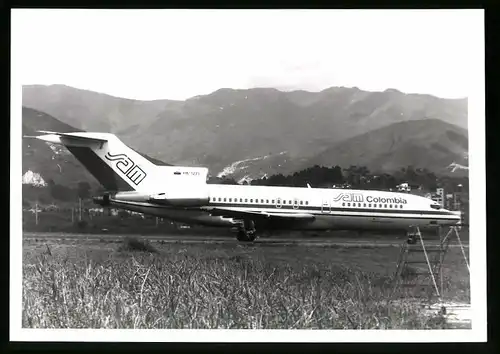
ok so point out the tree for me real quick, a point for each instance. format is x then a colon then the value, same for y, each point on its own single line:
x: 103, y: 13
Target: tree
x: 99, y: 190
x: 228, y: 180
x: 337, y: 176
x: 83, y: 190
x: 60, y: 192
x: 355, y: 174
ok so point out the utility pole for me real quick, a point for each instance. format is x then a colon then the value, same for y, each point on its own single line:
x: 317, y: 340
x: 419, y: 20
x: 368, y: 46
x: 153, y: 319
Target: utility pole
x: 36, y: 213
x: 156, y: 221
x: 72, y: 215
x: 80, y: 202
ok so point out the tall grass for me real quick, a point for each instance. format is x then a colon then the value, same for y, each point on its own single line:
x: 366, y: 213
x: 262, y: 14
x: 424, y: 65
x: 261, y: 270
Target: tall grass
x: 132, y: 289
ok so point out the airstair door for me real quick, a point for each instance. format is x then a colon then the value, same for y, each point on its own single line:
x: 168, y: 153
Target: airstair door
x: 325, y: 206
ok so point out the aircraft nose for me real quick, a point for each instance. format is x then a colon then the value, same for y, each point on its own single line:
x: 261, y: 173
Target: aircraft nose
x: 457, y: 214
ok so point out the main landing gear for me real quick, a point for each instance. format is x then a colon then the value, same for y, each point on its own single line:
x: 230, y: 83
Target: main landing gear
x: 247, y: 231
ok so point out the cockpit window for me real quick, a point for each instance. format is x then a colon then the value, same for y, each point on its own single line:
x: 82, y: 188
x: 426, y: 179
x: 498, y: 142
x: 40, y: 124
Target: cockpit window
x: 435, y: 206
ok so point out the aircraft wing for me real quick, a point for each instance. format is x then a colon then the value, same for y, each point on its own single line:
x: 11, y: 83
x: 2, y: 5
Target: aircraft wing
x: 246, y: 214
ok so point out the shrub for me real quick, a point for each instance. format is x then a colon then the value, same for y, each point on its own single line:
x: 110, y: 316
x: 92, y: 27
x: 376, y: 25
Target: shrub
x: 82, y: 224
x: 134, y: 244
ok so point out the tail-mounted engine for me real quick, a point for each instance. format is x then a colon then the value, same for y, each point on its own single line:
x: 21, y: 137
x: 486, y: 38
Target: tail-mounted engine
x: 181, y: 198
x: 187, y: 201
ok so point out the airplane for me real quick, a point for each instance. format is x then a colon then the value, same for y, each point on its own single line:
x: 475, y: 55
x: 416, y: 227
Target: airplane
x: 182, y: 194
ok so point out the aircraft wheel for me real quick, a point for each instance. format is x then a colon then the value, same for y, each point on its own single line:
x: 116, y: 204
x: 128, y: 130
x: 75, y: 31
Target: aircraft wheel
x: 251, y: 236
x: 246, y: 236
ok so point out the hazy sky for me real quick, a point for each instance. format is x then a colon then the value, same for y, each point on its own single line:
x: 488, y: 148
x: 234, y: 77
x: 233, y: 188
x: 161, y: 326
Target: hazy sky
x: 177, y: 54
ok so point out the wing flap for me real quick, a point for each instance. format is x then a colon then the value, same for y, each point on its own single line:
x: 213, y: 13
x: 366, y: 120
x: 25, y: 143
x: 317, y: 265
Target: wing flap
x: 247, y: 214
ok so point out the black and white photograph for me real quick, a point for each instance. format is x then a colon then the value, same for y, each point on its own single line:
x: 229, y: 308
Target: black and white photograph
x: 217, y: 175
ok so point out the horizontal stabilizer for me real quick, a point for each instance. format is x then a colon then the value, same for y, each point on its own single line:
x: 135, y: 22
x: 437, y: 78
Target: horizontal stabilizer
x: 77, y: 136
x: 70, y: 139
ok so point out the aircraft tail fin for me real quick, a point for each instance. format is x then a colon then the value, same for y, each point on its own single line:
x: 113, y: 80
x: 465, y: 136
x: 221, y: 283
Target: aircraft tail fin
x: 116, y: 166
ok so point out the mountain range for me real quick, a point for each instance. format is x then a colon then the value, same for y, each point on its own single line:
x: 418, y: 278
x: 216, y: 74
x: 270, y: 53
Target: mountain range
x: 253, y: 132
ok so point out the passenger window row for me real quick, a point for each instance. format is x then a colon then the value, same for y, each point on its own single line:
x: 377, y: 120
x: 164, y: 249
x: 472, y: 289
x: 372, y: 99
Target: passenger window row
x: 259, y: 201
x: 301, y: 202
x: 372, y: 205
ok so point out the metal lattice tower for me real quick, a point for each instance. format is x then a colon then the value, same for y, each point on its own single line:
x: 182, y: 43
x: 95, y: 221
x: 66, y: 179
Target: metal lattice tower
x: 430, y: 278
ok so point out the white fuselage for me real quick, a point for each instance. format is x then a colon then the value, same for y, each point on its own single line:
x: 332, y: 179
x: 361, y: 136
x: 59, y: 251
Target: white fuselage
x: 337, y: 209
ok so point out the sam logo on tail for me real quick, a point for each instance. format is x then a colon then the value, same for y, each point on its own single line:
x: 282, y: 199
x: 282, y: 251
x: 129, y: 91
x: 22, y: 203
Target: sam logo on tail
x: 127, y: 166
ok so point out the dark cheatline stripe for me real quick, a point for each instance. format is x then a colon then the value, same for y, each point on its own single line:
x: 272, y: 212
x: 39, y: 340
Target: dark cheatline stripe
x: 424, y: 216
x: 108, y: 178
x: 333, y: 209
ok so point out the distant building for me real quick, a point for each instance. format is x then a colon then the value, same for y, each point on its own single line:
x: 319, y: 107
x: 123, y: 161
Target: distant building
x: 35, y: 210
x: 403, y: 188
x: 51, y: 207
x: 96, y: 211
x: 33, y: 178
x: 439, y: 197
x: 451, y: 201
x: 457, y: 200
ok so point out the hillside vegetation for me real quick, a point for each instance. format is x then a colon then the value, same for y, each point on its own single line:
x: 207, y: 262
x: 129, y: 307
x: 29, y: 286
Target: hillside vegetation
x: 290, y: 127
x: 431, y: 144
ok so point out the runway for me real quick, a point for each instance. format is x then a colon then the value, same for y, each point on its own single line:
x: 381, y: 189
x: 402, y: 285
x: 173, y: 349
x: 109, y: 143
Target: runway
x: 208, y: 239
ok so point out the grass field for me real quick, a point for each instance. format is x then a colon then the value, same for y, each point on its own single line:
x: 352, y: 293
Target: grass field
x: 134, y: 284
